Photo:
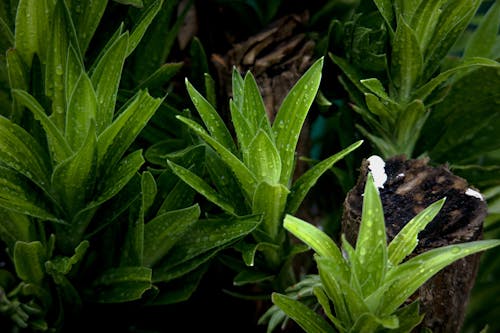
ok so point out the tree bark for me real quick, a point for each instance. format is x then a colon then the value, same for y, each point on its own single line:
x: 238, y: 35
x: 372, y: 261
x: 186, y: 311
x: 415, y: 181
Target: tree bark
x: 411, y: 186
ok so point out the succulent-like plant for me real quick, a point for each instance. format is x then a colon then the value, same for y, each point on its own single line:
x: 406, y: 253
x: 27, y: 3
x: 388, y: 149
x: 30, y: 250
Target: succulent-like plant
x: 369, y: 285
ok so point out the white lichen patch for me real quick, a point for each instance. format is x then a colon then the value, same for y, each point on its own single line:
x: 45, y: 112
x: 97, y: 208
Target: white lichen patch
x: 377, y: 167
x: 475, y: 194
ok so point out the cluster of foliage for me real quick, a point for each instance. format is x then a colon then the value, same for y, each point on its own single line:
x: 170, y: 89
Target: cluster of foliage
x: 113, y: 192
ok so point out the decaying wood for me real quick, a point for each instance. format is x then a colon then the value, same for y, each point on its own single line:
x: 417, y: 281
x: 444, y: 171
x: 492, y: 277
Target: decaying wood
x: 277, y: 57
x: 411, y: 186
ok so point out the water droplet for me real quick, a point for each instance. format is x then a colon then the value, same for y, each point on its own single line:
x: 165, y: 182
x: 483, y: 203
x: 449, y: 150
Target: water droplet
x: 455, y: 250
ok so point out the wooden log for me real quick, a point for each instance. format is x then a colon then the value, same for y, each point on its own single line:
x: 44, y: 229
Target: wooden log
x: 412, y: 185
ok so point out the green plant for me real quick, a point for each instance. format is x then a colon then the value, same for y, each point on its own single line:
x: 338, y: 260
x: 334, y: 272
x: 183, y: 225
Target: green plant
x: 409, y: 71
x: 369, y: 285
x: 258, y: 179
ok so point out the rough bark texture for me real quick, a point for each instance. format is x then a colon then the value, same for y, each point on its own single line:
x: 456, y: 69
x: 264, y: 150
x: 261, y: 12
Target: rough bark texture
x: 411, y: 186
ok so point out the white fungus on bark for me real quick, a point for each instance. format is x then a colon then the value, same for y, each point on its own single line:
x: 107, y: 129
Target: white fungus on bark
x: 475, y: 194
x: 377, y: 167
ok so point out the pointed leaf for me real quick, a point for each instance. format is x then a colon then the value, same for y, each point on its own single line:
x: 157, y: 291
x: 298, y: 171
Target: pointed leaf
x: 143, y: 23
x: 270, y: 200
x: 238, y: 90
x: 201, y: 187
x: 59, y: 148
x: 302, y: 186
x: 87, y: 16
x: 18, y: 79
x: 385, y: 8
x: 263, y: 159
x: 81, y: 112
x: 214, y: 123
x: 407, y: 239
x: 106, y: 80
x: 291, y: 116
x: 74, y: 179
x: 309, y: 320
x: 410, y: 275
x: 425, y: 19
x: 253, y: 107
x: 242, y: 127
x: 406, y: 65
x: 122, y: 284
x: 485, y: 37
x: 161, y: 233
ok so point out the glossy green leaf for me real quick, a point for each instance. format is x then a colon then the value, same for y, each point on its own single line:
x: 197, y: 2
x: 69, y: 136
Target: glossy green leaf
x: 20, y: 151
x: 407, y: 239
x: 409, y: 124
x: 74, y: 69
x: 161, y: 76
x: 409, y: 317
x: 116, y: 139
x: 122, y: 284
x: 244, y: 175
x: 309, y: 320
x: 148, y: 190
x: 320, y: 242
x: 369, y: 322
x: 378, y: 108
x: 87, y: 15
x: 62, y: 35
x: 371, y: 244
x: 406, y: 8
x: 17, y: 195
x: 142, y: 25
x: 351, y: 72
x: 59, y: 148
x: 135, y: 3
x: 201, y: 187
x: 253, y: 107
x: 251, y: 277
x: 270, y: 200
x: 242, y: 127
x: 162, y: 232
x: 29, y: 258
x: 376, y: 87
x: 62, y: 265
x: 73, y: 180
x: 210, y: 89
x: 324, y: 301
x: 424, y: 91
x: 15, y: 227
x: 425, y: 19
x: 483, y: 40
x: 249, y: 250
x: 214, y: 123
x: 302, y: 185
x: 409, y: 276
x: 208, y: 234
x: 453, y: 20
x: 291, y: 116
x: 106, y: 80
x: 238, y: 88
x: 385, y: 8
x: 407, y: 60
x: 263, y: 159
x: 17, y: 73
x: 81, y: 112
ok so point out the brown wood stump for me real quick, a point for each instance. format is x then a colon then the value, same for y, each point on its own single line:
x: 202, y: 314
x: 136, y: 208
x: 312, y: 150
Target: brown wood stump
x: 412, y: 185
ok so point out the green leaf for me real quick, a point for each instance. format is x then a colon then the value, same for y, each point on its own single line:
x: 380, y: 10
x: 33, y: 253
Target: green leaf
x: 59, y: 148
x: 263, y: 159
x: 29, y: 258
x: 483, y: 40
x: 87, y: 16
x: 424, y: 91
x: 62, y: 35
x: 143, y: 23
x: 210, y: 234
x: 409, y: 276
x: 18, y: 79
x: 385, y: 8
x: 409, y: 317
x: 74, y: 69
x: 407, y: 61
x: 106, y: 79
x: 319, y: 241
x: 453, y: 20
x: 15, y: 227
x: 161, y: 76
x: 270, y: 200
x: 253, y: 107
x: 324, y: 301
x: 20, y: 151
x: 17, y: 195
x: 116, y: 139
x: 6, y: 33
x: 161, y: 233
x: 251, y: 277
x: 62, y: 265
x: 122, y: 284
x: 135, y: 3
x: 238, y: 89
x: 409, y: 125
x: 371, y: 244
x: 407, y: 239
x: 201, y: 187
x: 242, y: 127
x: 214, y: 123
x: 425, y: 19
x: 302, y: 186
x: 309, y: 320
x: 81, y: 112
x: 243, y: 174
x: 376, y: 87
x: 73, y: 180
x: 32, y: 28
x: 291, y: 116
x: 369, y: 322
